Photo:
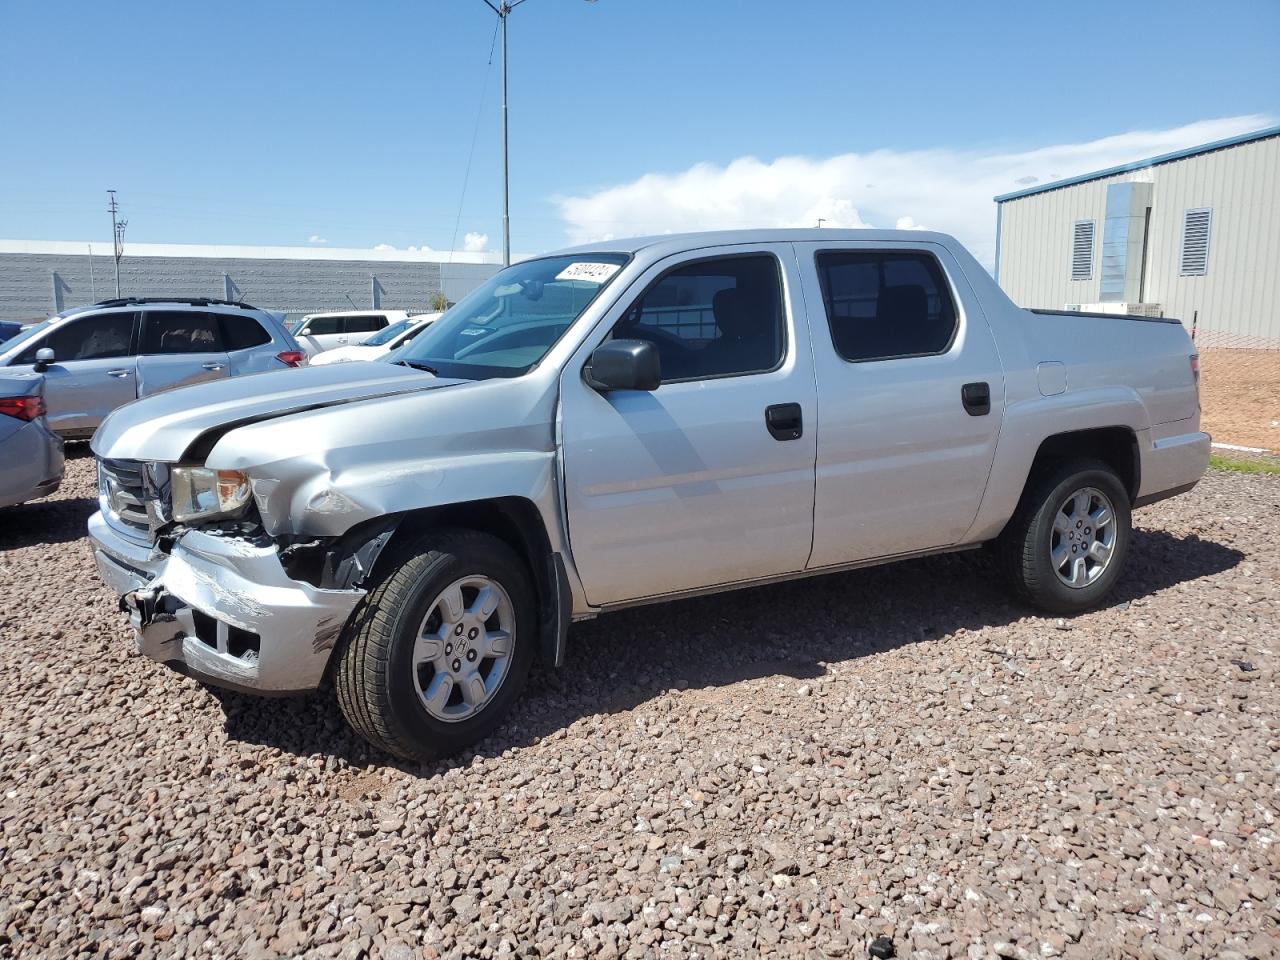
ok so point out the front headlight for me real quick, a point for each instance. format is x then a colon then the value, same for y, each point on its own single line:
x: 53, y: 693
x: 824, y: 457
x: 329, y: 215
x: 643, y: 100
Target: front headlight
x: 199, y: 493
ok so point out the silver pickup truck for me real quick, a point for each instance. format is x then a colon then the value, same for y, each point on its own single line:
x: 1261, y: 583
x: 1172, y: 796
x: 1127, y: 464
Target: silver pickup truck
x: 620, y: 424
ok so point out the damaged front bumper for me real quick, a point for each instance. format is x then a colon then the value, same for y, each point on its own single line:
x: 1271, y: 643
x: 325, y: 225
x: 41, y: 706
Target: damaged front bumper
x: 222, y: 609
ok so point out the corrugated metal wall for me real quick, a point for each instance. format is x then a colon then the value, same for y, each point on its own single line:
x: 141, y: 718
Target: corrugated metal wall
x: 34, y: 286
x: 1240, y: 292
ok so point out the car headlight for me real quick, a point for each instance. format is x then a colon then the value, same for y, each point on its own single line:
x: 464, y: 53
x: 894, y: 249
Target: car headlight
x: 199, y: 493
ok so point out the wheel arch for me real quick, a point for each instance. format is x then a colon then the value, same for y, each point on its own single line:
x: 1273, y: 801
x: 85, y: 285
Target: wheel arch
x: 1116, y: 446
x: 514, y: 520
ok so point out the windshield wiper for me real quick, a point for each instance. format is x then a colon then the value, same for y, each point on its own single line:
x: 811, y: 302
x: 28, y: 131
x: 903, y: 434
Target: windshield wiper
x: 418, y: 366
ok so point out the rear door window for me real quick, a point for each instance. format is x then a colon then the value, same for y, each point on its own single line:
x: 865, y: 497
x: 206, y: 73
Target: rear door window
x: 94, y: 337
x: 886, y: 304
x: 364, y: 324
x: 241, y: 331
x: 180, y: 331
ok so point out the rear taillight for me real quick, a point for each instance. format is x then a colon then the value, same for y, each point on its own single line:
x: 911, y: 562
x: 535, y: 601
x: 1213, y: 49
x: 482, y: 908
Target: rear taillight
x: 291, y: 358
x: 1195, y: 369
x: 24, y: 408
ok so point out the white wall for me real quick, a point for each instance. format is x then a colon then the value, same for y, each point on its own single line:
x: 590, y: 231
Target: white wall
x: 1240, y: 293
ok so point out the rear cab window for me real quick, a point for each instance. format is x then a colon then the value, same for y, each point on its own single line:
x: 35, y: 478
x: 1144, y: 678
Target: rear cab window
x: 886, y: 304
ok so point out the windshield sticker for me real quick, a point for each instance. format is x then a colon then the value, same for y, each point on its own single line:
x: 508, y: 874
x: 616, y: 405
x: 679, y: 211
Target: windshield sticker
x: 589, y: 272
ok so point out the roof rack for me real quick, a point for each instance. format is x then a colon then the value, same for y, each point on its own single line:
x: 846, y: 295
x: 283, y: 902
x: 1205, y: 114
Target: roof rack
x: 194, y: 301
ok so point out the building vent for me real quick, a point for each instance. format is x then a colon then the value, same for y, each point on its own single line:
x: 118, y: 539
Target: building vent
x: 1195, y: 243
x: 1082, y: 250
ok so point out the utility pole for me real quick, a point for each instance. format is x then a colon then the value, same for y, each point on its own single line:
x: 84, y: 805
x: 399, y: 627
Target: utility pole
x: 117, y: 235
x: 503, y: 9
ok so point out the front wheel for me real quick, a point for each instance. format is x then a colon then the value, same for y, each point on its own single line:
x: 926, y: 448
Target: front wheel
x: 1065, y: 546
x: 440, y: 648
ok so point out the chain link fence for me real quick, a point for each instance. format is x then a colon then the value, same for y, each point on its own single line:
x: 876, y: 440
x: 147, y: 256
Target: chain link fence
x: 1240, y: 393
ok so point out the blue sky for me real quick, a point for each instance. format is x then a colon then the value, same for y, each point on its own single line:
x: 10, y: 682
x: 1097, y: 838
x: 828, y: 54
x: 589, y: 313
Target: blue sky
x: 275, y: 123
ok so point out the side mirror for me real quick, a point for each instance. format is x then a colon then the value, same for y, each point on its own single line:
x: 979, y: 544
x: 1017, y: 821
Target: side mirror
x: 625, y: 365
x: 44, y: 357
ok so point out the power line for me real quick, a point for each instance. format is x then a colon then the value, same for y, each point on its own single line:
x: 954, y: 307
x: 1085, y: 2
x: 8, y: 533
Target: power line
x: 475, y: 132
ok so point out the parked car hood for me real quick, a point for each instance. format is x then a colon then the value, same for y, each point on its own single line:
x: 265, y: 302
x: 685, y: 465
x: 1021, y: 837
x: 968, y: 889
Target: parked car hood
x: 165, y: 426
x: 346, y: 354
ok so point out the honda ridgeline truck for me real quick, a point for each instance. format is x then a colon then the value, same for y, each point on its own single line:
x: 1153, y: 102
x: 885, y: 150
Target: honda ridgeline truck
x: 624, y: 423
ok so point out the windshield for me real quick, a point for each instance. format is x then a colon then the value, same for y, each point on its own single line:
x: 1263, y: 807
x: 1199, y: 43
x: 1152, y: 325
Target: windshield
x: 387, y: 334
x: 27, y: 334
x: 504, y: 327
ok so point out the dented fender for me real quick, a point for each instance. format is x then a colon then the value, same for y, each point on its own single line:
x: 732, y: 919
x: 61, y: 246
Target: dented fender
x: 334, y: 473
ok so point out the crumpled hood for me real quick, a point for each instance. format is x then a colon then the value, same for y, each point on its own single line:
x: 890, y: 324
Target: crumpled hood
x: 163, y: 427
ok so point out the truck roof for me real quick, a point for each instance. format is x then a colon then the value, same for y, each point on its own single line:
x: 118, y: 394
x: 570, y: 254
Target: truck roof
x: 716, y: 238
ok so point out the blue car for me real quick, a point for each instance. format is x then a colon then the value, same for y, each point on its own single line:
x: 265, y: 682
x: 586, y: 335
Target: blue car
x: 30, y: 454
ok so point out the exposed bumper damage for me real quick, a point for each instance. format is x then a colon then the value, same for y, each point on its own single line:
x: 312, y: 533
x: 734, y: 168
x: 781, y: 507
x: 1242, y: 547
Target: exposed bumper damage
x: 222, y: 609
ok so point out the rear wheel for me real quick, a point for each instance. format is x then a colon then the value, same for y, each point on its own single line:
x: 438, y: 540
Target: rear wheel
x: 441, y: 648
x: 1065, y: 546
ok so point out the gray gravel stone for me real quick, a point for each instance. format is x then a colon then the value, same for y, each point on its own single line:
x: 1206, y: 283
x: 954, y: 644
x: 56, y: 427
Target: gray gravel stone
x: 792, y: 771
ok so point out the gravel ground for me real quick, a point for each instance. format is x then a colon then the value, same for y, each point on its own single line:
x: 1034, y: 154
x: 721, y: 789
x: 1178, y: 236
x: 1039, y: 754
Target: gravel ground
x: 792, y: 770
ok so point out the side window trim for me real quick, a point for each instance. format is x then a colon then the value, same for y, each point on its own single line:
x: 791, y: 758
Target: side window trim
x: 785, y: 312
x: 950, y: 290
x: 135, y: 339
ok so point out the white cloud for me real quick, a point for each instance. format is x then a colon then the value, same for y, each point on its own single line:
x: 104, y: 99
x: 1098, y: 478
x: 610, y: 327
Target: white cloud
x: 948, y: 189
x: 316, y: 238
x: 475, y: 242
x: 383, y: 246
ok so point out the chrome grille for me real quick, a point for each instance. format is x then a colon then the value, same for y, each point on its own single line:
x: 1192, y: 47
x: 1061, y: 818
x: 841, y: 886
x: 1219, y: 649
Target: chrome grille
x: 124, y: 493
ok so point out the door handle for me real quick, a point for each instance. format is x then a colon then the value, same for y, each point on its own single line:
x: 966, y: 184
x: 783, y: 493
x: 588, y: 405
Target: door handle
x: 976, y: 398
x: 784, y: 420
x: 211, y: 366
x: 118, y: 374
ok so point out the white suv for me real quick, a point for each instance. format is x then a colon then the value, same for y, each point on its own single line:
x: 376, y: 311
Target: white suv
x: 381, y: 343
x: 318, y: 332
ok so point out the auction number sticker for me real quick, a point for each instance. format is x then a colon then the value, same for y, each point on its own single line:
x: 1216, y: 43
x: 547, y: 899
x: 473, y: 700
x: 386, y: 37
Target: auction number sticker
x: 589, y: 272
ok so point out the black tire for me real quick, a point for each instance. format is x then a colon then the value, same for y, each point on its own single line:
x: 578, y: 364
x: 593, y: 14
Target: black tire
x: 1023, y: 550
x: 373, y: 674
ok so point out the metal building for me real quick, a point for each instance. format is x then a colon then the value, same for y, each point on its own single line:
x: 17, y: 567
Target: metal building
x: 39, y: 278
x: 1193, y: 234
